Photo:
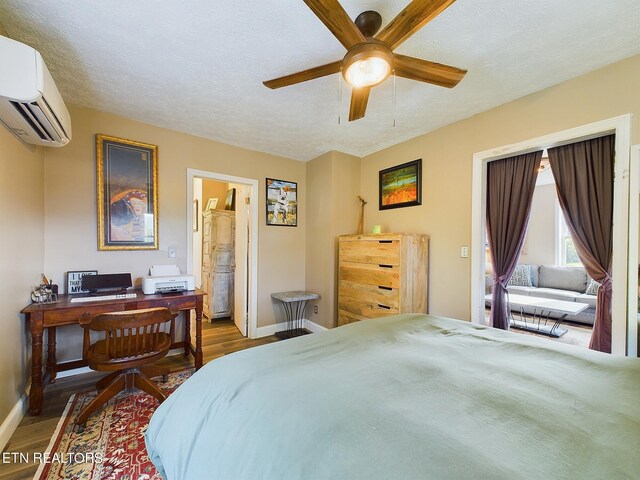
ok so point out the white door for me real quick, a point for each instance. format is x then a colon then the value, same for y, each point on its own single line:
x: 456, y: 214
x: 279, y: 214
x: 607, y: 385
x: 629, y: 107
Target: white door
x: 240, y: 313
x: 634, y: 246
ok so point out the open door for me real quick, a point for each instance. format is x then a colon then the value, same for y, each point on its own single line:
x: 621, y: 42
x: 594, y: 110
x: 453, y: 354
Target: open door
x: 634, y: 246
x: 240, y: 298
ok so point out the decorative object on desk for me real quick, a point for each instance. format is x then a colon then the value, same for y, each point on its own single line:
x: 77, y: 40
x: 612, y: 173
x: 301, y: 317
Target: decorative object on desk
x: 116, y: 433
x: 363, y: 202
x: 401, y: 186
x: 127, y: 174
x: 282, y: 203
x: 74, y: 281
x: 230, y: 201
x: 376, y: 229
x: 212, y: 203
x: 196, y: 215
x: 43, y: 294
x: 294, y: 304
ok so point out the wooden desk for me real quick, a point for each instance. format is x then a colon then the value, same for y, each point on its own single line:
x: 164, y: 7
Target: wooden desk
x: 64, y: 312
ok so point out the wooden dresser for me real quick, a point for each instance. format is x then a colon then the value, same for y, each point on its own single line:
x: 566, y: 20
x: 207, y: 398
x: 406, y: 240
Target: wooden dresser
x: 218, y: 262
x: 382, y: 274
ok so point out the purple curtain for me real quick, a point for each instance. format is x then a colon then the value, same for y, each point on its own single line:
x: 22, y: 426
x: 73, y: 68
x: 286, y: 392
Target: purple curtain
x: 584, y: 181
x: 510, y: 186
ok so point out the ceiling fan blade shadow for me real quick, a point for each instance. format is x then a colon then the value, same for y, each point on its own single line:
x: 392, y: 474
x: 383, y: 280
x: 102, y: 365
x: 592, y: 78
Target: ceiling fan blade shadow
x: 336, y: 19
x: 359, y: 100
x: 415, y: 16
x: 303, y: 76
x: 428, y: 72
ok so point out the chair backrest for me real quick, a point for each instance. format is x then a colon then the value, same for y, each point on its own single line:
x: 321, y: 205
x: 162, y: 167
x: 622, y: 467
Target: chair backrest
x: 130, y: 333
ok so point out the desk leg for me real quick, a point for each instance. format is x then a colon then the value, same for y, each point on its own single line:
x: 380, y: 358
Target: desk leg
x: 51, y: 354
x: 35, y: 396
x: 198, y: 353
x: 187, y: 332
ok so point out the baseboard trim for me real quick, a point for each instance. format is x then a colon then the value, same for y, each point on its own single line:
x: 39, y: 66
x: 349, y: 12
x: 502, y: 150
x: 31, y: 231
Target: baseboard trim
x: 12, y: 421
x: 272, y: 329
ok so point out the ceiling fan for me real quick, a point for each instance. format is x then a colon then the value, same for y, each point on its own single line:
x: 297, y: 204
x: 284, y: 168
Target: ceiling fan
x: 370, y: 58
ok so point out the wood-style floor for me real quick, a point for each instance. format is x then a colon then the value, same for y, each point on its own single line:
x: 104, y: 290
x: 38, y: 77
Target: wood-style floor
x: 33, y: 434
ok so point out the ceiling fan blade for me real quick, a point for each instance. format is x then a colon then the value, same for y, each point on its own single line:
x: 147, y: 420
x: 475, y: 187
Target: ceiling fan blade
x: 359, y: 99
x: 331, y: 13
x: 415, y: 16
x: 299, y: 77
x: 425, y: 71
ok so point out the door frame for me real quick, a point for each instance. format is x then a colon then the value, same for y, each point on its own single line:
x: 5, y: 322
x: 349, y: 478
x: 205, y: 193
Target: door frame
x: 252, y: 278
x: 621, y: 126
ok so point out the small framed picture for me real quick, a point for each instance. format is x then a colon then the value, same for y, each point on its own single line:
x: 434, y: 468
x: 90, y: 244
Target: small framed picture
x: 282, y: 203
x: 401, y: 186
x: 212, y: 203
x: 74, y: 281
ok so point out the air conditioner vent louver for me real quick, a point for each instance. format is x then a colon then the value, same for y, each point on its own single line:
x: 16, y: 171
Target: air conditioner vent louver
x: 30, y: 103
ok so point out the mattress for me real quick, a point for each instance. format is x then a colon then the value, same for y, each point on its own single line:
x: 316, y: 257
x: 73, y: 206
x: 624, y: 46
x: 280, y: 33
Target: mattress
x: 404, y: 397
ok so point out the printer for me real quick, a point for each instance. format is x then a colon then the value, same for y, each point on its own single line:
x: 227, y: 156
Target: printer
x: 167, y: 279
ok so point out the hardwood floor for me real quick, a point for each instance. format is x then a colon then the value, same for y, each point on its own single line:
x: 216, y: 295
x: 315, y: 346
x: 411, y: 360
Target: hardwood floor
x: 33, y: 434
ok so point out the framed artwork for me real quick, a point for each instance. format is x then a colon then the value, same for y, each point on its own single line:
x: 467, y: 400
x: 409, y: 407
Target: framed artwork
x: 401, y: 186
x: 282, y: 203
x: 74, y: 281
x: 195, y: 215
x: 127, y: 191
x: 230, y: 201
x: 212, y: 203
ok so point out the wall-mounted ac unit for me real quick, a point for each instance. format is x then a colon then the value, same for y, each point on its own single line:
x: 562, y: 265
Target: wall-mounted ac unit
x: 30, y: 103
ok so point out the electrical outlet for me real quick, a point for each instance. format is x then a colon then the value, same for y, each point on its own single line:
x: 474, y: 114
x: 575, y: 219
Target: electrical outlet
x: 464, y: 252
x: 315, y: 309
x: 172, y: 252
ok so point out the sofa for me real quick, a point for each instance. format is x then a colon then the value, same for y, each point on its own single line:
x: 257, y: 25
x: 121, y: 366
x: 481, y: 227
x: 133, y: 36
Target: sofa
x: 571, y: 284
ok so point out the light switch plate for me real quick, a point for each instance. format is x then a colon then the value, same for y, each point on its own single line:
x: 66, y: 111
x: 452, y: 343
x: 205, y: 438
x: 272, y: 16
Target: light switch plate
x: 172, y: 252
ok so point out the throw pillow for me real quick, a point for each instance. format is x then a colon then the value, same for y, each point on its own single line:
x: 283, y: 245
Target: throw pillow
x: 521, y: 277
x: 592, y: 288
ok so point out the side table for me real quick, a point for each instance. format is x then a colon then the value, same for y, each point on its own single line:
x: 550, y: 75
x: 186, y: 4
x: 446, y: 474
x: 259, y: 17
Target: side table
x: 294, y: 304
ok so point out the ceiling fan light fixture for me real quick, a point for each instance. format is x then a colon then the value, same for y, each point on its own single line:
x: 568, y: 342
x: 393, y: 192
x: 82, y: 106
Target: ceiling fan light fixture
x: 367, y: 64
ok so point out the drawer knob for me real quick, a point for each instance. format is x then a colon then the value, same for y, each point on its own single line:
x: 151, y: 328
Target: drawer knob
x: 384, y: 306
x: 384, y: 288
x: 385, y: 266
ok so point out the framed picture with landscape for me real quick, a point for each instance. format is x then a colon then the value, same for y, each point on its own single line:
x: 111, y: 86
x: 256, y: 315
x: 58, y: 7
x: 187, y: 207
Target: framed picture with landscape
x: 282, y: 203
x: 401, y: 186
x: 127, y: 177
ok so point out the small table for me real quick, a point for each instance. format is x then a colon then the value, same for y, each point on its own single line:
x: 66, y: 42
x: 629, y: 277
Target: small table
x: 543, y: 308
x: 294, y: 304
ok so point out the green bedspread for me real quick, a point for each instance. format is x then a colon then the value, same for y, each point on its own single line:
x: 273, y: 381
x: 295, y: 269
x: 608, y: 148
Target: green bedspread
x: 404, y: 397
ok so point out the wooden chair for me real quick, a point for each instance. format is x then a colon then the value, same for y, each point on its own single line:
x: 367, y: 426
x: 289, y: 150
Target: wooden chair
x: 132, y: 340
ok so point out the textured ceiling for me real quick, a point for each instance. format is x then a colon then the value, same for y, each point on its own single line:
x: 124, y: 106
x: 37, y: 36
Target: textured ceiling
x: 197, y: 66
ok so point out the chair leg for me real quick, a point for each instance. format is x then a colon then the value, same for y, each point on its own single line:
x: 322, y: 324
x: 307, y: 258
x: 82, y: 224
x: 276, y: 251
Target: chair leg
x: 115, y: 387
x: 106, y: 381
x: 146, y: 385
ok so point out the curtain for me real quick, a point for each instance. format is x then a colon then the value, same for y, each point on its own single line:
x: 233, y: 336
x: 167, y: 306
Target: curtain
x: 584, y: 181
x: 510, y: 186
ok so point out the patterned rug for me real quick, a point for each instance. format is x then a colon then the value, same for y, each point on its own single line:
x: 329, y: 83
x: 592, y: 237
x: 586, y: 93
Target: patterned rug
x: 112, y: 444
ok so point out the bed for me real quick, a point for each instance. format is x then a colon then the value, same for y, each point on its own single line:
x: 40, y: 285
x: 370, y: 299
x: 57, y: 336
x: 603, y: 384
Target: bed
x: 404, y: 397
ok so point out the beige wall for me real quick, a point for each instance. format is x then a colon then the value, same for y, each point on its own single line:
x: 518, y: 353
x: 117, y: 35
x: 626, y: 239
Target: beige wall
x: 333, y: 180
x: 539, y: 244
x: 447, y: 153
x: 70, y: 224
x: 22, y: 257
x: 214, y: 189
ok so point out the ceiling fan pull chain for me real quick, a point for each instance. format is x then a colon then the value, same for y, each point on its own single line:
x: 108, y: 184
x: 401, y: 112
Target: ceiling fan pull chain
x: 339, y: 97
x: 394, y: 99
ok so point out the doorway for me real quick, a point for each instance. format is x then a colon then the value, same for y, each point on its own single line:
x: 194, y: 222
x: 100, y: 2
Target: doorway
x: 621, y: 127
x: 223, y: 209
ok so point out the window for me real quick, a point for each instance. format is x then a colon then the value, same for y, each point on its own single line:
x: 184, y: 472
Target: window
x: 566, y: 249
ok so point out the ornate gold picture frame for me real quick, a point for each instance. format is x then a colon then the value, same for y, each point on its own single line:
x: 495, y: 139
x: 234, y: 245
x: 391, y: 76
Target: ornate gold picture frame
x: 127, y: 192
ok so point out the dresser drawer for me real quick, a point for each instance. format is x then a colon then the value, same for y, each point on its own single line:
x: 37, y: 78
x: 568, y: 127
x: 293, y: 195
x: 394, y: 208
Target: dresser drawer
x: 346, y: 317
x: 350, y: 291
x: 376, y: 275
x: 366, y: 308
x: 377, y: 252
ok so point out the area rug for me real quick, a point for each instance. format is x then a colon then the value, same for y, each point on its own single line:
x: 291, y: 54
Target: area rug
x: 112, y: 443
